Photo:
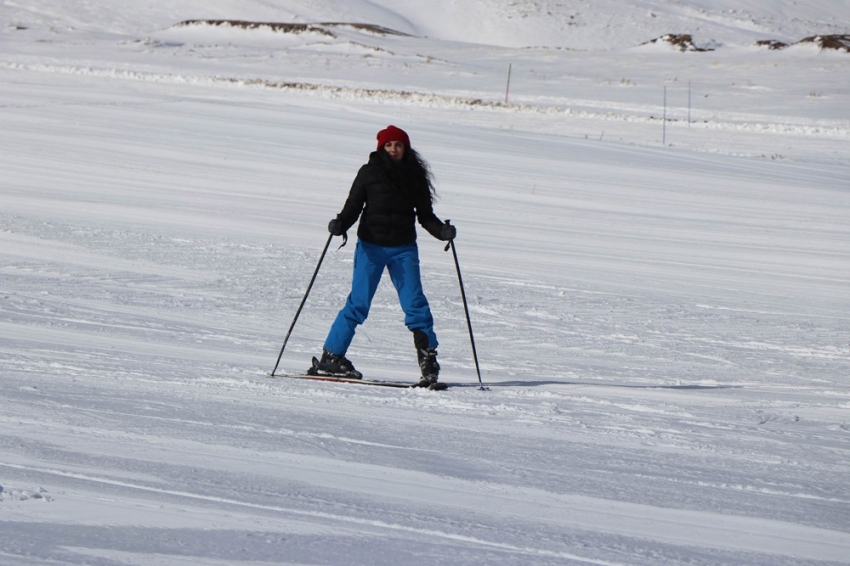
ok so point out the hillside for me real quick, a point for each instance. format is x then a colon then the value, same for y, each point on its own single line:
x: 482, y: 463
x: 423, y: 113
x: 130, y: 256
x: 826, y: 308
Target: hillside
x: 574, y: 24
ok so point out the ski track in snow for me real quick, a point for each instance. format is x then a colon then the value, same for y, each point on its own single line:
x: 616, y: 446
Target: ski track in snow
x: 664, y: 332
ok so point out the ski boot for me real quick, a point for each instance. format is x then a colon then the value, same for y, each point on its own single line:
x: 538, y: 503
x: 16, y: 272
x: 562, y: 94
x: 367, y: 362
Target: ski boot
x: 334, y: 366
x: 429, y: 367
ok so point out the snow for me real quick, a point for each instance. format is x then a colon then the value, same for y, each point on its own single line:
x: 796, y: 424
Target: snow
x: 661, y: 315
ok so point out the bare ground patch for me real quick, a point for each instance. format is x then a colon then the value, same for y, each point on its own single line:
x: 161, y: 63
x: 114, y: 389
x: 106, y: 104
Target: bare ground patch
x: 771, y: 44
x: 682, y: 41
x: 836, y: 42
x: 282, y: 27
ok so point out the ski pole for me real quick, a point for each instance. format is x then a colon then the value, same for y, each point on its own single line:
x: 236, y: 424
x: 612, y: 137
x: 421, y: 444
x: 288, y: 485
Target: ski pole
x: 451, y: 245
x: 301, y: 306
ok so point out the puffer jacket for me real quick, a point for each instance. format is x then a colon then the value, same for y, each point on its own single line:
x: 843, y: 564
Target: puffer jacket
x: 388, y: 211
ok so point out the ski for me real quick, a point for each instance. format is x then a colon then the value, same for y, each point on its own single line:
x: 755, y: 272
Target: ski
x: 439, y: 386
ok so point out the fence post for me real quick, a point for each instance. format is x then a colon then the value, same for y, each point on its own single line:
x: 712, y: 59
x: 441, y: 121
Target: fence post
x: 508, y: 87
x: 664, y: 121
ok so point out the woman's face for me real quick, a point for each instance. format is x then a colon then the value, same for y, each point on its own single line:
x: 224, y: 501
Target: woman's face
x: 395, y: 149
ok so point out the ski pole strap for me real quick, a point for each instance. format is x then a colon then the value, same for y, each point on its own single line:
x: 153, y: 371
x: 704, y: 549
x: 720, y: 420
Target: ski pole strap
x: 344, y: 240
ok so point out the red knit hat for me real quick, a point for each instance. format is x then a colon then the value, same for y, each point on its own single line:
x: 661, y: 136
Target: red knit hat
x: 391, y: 133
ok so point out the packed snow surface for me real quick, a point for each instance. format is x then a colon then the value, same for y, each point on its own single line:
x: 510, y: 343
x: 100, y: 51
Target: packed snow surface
x: 654, y: 244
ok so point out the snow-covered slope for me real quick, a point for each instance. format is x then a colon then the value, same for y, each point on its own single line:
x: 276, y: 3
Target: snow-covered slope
x: 660, y: 307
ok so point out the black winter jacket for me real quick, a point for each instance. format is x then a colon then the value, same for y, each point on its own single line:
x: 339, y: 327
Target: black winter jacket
x: 389, y: 211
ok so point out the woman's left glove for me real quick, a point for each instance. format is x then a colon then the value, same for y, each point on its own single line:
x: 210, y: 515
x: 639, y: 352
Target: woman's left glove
x: 448, y: 232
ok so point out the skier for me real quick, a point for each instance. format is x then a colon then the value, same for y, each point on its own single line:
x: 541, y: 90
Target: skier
x: 391, y: 191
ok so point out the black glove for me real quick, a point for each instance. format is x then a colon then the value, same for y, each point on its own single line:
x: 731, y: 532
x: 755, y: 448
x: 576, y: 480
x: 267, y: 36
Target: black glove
x: 448, y: 232
x: 335, y: 227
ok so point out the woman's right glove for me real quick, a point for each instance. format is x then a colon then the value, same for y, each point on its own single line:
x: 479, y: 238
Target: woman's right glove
x: 335, y: 227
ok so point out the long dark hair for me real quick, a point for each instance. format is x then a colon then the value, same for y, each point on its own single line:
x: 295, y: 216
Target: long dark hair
x: 412, y: 175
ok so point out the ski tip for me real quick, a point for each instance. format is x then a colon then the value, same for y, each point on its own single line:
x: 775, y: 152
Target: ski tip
x: 313, y: 369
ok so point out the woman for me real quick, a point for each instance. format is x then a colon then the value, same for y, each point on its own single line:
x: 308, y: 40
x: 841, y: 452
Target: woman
x: 392, y: 190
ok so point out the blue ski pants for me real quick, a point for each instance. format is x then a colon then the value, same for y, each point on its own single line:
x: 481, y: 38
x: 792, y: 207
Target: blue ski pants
x: 370, y: 260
